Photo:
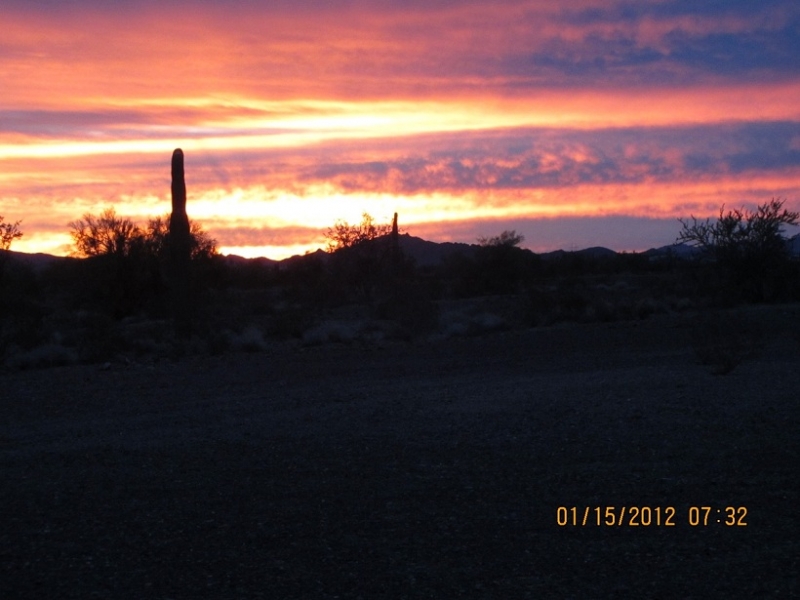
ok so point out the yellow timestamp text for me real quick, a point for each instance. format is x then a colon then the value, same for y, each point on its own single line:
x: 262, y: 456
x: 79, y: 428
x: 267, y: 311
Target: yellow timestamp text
x: 650, y: 516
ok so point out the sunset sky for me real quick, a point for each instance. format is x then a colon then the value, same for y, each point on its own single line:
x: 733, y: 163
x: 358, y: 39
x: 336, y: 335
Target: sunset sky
x: 577, y: 123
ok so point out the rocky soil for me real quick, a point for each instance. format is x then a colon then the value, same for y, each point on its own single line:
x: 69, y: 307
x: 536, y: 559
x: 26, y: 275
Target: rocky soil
x: 413, y: 470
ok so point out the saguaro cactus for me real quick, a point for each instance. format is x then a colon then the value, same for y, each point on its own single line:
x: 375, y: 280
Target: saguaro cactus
x: 394, y: 248
x: 179, y: 249
x: 179, y: 221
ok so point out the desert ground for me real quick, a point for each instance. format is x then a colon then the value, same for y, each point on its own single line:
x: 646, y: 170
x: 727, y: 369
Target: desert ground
x: 414, y: 469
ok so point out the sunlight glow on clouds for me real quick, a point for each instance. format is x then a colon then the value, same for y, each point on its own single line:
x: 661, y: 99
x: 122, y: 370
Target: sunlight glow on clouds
x: 460, y: 116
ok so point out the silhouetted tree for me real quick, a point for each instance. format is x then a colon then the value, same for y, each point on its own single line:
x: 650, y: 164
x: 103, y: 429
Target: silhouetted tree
x: 345, y: 235
x: 500, y: 264
x: 749, y: 245
x: 741, y: 234
x: 109, y: 234
x: 509, y: 238
x: 201, y: 245
x: 115, y: 277
x: 128, y: 264
x: 8, y: 233
x: 106, y: 234
x: 361, y: 255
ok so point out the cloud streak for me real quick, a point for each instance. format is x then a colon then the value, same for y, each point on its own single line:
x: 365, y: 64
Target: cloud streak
x: 457, y: 112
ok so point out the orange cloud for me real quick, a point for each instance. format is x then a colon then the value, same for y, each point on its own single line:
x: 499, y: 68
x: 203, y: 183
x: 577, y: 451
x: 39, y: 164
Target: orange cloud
x: 293, y: 115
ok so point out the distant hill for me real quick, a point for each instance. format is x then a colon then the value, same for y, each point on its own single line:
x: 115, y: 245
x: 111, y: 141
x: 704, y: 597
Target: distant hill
x: 685, y: 251
x: 37, y: 262
x: 793, y: 245
x: 427, y: 254
x: 682, y: 251
x: 234, y: 260
x: 424, y: 253
x: 594, y: 252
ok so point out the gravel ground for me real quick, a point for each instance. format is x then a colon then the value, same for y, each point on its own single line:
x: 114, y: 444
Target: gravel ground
x: 408, y: 470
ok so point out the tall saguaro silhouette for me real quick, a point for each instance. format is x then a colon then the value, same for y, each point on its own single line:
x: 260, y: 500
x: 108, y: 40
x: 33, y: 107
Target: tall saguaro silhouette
x: 179, y: 250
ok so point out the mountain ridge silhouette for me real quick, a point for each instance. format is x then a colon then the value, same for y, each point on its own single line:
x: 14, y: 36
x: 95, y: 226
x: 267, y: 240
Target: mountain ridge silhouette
x: 424, y: 252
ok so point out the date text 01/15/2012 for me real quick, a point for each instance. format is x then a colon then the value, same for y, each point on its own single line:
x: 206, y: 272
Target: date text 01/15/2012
x: 650, y: 516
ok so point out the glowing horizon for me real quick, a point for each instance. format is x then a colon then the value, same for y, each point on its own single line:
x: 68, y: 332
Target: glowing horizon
x: 463, y: 118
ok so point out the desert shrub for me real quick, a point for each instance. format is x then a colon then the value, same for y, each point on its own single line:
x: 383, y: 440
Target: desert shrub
x: 538, y: 305
x: 604, y: 310
x: 202, y: 247
x: 364, y: 263
x: 679, y: 303
x: 508, y: 238
x: 8, y: 233
x: 22, y: 311
x: 596, y: 298
x: 240, y: 273
x: 117, y: 285
x: 127, y: 263
x: 21, y: 323
x: 454, y: 324
x: 307, y: 280
x: 572, y: 298
x: 411, y: 307
x: 360, y: 273
x: 344, y: 235
x: 489, y: 271
x: 332, y: 332
x: 217, y: 342
x: 110, y: 234
x: 291, y: 321
x: 251, y: 339
x: 46, y: 355
x: 98, y: 339
x: 722, y: 341
x: 104, y: 234
x: 645, y: 307
x: 748, y: 247
x: 496, y: 266
x: 17, y: 280
x: 144, y: 336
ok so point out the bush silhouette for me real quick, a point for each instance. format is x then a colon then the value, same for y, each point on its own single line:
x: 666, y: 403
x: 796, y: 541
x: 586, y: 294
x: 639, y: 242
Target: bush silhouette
x: 344, y: 235
x: 126, y: 263
x: 105, y: 234
x: 8, y: 233
x: 748, y: 246
x: 508, y: 238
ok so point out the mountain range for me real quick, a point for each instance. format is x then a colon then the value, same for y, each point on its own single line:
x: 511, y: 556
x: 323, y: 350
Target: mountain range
x: 426, y: 253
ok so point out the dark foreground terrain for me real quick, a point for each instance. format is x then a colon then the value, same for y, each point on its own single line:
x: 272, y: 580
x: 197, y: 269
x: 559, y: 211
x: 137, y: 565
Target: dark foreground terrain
x: 414, y: 470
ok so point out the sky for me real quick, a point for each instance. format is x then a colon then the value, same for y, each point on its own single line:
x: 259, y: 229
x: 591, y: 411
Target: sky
x: 576, y: 123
